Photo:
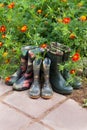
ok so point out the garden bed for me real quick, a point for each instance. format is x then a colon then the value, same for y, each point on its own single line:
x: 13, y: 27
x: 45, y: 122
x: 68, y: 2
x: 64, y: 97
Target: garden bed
x: 81, y: 94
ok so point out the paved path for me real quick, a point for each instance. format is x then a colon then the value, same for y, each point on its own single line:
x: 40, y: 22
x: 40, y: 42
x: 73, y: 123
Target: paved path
x: 19, y: 112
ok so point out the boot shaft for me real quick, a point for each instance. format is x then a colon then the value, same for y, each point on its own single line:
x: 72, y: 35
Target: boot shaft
x: 36, y: 68
x: 25, y: 49
x: 66, y: 56
x: 46, y: 68
x: 55, y: 60
x: 55, y: 46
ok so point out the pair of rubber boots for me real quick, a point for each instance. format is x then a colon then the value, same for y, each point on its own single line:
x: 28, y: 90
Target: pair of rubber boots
x: 23, y: 77
x: 60, y: 54
x: 41, y: 88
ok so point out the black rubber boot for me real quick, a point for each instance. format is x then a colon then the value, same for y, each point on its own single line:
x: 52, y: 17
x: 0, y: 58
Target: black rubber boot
x: 59, y: 84
x: 76, y: 83
x: 46, y: 91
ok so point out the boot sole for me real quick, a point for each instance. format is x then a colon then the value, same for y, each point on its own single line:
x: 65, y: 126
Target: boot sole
x: 21, y: 89
x: 9, y: 84
x: 62, y: 92
x: 34, y: 97
x: 47, y: 97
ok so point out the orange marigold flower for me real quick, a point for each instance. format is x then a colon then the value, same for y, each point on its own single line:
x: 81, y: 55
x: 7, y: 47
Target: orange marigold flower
x: 76, y: 57
x: 73, y: 71
x: 5, y: 54
x: 3, y: 35
x: 24, y: 28
x: 11, y: 6
x: 83, y: 18
x: 7, y: 79
x: 39, y: 11
x: 3, y: 28
x: 72, y: 36
x: 1, y: 44
x: 66, y: 20
x: 43, y: 45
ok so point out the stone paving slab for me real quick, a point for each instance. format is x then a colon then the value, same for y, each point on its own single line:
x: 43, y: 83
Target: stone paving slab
x: 4, y: 88
x: 19, y: 112
x: 68, y: 116
x: 32, y: 107
x: 10, y: 119
x: 35, y: 126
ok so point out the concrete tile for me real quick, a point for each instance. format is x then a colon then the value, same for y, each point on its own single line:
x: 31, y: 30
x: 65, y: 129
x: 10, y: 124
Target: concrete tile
x: 32, y: 107
x: 11, y: 119
x: 35, y: 126
x: 69, y: 116
x: 4, y: 88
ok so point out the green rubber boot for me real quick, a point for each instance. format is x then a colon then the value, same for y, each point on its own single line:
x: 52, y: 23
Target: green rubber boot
x: 59, y: 84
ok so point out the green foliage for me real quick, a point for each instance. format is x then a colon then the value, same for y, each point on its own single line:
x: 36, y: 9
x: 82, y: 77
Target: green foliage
x: 45, y: 26
x: 85, y: 103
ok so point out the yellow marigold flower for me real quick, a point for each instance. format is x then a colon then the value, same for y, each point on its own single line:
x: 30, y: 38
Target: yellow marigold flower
x: 7, y: 61
x: 80, y: 4
x: 1, y: 5
x: 59, y: 20
x: 39, y: 11
x: 32, y: 6
x: 83, y: 18
x: 5, y: 54
x: 46, y: 15
x: 64, y: 0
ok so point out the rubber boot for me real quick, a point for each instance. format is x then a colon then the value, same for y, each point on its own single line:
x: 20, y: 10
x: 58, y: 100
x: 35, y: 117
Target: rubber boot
x: 23, y: 66
x: 18, y: 74
x: 34, y: 91
x: 26, y: 80
x: 58, y: 82
x: 76, y: 84
x: 46, y: 91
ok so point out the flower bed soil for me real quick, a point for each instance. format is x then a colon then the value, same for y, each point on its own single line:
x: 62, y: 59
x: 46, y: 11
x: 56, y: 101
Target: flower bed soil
x: 80, y: 94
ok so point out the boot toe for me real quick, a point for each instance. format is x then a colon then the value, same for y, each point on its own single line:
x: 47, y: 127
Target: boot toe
x: 12, y: 80
x: 77, y: 85
x: 68, y: 90
x: 34, y: 92
x: 47, y: 93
